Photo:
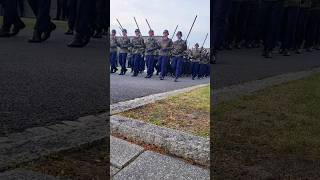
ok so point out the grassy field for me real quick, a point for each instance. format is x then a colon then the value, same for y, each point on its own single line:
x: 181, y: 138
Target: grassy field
x: 189, y: 112
x: 274, y: 132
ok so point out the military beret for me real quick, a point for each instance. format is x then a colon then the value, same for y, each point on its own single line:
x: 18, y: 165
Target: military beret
x: 166, y: 31
x: 150, y: 31
x: 124, y: 30
x: 113, y: 31
x: 137, y: 30
x: 179, y: 33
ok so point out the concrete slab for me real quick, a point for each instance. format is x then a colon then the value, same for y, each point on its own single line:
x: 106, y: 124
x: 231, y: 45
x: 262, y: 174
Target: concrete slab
x: 153, y: 166
x: 22, y: 174
x: 122, y: 152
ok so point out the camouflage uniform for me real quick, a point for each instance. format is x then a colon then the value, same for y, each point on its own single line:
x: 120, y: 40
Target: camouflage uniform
x: 195, y: 59
x: 178, y: 50
x: 164, y: 53
x: 124, y: 44
x: 202, y: 64
x: 138, y: 50
x: 152, y: 47
x: 113, y: 53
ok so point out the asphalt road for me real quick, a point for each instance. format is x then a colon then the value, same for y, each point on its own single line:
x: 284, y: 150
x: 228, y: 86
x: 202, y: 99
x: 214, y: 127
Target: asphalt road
x: 124, y: 88
x: 238, y: 66
x: 42, y: 84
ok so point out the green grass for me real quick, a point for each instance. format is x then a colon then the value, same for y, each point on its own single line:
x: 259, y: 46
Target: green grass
x: 189, y: 112
x: 271, y: 127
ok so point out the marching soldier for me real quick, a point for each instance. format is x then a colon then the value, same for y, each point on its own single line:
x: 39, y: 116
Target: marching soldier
x: 113, y: 51
x: 291, y: 12
x: 138, y: 49
x: 10, y: 19
x: 83, y: 23
x: 124, y: 44
x: 303, y: 17
x: 164, y: 53
x: 313, y: 25
x: 151, y: 51
x: 43, y: 27
x: 270, y: 14
x: 195, y: 59
x: 178, y: 48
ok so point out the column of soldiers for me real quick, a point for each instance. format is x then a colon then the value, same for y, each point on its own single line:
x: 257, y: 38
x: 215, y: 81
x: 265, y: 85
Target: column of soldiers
x: 291, y: 26
x: 86, y: 19
x: 168, y: 58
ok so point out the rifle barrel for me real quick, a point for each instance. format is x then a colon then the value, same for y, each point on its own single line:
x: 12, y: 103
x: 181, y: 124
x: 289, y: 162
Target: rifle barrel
x: 205, y: 40
x: 192, y: 27
x: 120, y: 25
x: 174, y: 31
x: 136, y: 22
x: 148, y: 24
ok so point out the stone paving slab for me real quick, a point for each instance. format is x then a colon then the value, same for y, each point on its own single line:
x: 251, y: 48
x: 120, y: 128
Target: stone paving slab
x: 21, y: 174
x: 153, y: 166
x: 123, y: 152
x: 35, y: 143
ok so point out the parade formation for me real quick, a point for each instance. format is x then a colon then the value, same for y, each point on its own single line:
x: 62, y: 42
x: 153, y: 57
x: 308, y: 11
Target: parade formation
x: 287, y: 26
x: 162, y: 55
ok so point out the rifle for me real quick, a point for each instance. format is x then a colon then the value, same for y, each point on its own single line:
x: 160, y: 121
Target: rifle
x: 120, y: 25
x: 148, y: 25
x: 174, y: 32
x: 136, y: 23
x: 205, y: 40
x: 192, y: 27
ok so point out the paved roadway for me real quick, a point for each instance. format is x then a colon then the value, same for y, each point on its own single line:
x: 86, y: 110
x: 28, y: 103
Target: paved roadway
x: 238, y: 66
x: 42, y: 84
x: 124, y: 88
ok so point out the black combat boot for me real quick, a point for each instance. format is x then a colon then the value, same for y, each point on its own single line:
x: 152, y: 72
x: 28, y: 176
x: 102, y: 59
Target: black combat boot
x: 69, y: 32
x: 36, y: 38
x: 47, y: 34
x: 17, y: 28
x: 79, y: 41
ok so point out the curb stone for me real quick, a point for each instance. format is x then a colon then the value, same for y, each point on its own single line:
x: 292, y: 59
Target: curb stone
x: 177, y: 143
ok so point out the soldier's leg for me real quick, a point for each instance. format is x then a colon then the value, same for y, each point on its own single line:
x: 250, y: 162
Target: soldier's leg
x: 164, y: 65
x: 290, y: 29
x: 72, y: 13
x: 123, y: 63
x: 179, y: 64
x: 83, y: 23
x: 9, y: 17
x: 59, y: 9
x: 136, y: 64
